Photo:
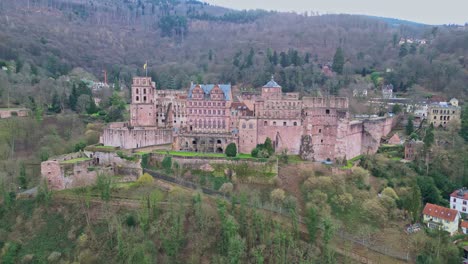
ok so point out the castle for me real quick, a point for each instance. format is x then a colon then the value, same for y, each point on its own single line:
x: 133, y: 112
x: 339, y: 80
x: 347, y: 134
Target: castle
x: 206, y: 118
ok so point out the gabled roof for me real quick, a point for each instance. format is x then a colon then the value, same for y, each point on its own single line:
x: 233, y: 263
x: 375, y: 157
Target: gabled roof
x: 464, y: 224
x: 440, y: 212
x: 226, y: 88
x: 272, y: 83
x: 460, y: 194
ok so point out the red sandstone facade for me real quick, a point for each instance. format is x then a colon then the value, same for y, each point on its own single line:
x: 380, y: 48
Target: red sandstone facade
x: 207, y: 118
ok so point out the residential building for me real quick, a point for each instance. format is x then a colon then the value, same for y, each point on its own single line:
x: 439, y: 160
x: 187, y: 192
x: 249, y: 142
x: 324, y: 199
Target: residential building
x: 387, y: 91
x: 443, y: 113
x: 459, y: 200
x: 413, y: 149
x: 439, y: 217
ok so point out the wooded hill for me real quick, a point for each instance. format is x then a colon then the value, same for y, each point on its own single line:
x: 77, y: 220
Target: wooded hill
x: 187, y: 41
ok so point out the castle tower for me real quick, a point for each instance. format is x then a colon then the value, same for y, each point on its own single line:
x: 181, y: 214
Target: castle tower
x: 271, y: 90
x: 142, y: 108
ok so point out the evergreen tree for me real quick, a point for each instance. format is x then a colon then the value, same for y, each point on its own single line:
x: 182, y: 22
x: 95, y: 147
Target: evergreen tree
x: 73, y: 98
x: 268, y: 145
x: 307, y: 58
x: 464, y: 123
x: 429, y: 137
x: 338, y: 61
x: 403, y: 50
x: 22, y: 176
x: 284, y: 60
x: 415, y: 203
x: 231, y: 150
x: 413, y: 49
x: 312, y: 221
x: 274, y: 60
x: 55, y: 107
x: 410, y: 126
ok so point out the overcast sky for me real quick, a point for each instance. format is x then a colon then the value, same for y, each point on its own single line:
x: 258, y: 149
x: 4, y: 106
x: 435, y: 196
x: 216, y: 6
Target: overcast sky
x: 423, y: 11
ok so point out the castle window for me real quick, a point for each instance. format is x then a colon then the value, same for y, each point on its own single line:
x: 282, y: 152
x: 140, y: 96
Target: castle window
x: 320, y: 130
x: 321, y: 141
x: 284, y: 123
x: 265, y: 123
x: 144, y: 91
x: 274, y: 123
x: 137, y: 91
x: 295, y: 123
x: 137, y: 98
x: 218, y: 141
x: 327, y: 111
x: 435, y: 117
x: 144, y: 98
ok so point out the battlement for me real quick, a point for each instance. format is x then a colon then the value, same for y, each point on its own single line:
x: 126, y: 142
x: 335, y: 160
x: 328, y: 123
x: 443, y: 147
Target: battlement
x: 143, y: 81
x: 325, y: 102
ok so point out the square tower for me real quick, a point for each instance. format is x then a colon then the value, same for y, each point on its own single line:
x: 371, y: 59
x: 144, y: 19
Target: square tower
x: 143, y: 109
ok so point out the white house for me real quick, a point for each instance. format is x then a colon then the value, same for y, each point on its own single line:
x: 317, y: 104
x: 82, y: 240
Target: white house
x: 440, y: 217
x: 459, y: 200
x: 464, y: 226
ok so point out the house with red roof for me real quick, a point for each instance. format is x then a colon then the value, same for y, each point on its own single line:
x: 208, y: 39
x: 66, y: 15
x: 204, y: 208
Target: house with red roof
x: 464, y: 226
x: 459, y: 200
x: 436, y: 216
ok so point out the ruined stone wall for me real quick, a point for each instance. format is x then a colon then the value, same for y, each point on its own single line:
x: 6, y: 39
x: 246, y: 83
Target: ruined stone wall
x: 199, y: 163
x: 143, y: 115
x: 51, y: 171
x: 7, y: 113
x: 284, y: 133
x: 205, y: 142
x: 353, y: 140
x: 373, y: 131
x: 61, y: 176
x: 127, y: 138
x: 248, y: 137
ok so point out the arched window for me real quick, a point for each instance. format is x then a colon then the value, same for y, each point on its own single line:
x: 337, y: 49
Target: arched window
x: 137, y: 98
x: 144, y: 91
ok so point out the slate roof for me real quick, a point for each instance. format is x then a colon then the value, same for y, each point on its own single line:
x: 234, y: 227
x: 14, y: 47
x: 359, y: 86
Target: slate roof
x: 440, y: 212
x: 272, y: 84
x: 226, y: 88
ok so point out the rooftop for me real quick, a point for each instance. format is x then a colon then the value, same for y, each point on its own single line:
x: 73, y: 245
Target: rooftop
x: 272, y: 83
x: 440, y: 212
x: 226, y: 88
x: 460, y: 193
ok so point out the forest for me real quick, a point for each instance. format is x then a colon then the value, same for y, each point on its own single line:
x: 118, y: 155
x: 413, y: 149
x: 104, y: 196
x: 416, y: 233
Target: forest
x: 50, y: 49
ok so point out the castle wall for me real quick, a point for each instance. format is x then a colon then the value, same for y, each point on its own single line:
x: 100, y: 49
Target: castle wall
x: 353, y: 140
x: 61, y: 176
x: 143, y: 115
x: 127, y: 138
x: 248, y: 136
x: 284, y: 133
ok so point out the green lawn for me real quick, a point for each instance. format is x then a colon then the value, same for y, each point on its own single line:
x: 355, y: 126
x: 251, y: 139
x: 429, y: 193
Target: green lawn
x: 201, y: 155
x: 73, y: 161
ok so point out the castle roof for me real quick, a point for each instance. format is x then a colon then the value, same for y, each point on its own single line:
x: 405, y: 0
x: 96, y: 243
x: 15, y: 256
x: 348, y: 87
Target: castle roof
x: 226, y: 88
x: 440, y: 212
x: 272, y: 84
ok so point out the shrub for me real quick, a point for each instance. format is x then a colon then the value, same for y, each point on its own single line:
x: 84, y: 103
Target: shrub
x: 130, y: 220
x: 231, y: 150
x: 254, y: 152
x: 145, y: 179
x: 167, y: 164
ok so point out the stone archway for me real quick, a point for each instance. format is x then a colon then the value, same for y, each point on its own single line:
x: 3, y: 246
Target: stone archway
x: 219, y: 150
